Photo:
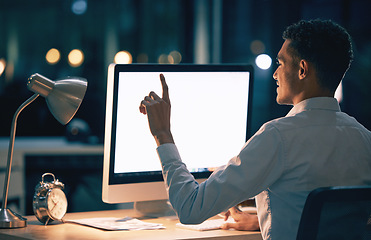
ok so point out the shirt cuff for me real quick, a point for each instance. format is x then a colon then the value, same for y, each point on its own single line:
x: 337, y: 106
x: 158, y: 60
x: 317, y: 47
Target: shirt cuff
x: 168, y: 152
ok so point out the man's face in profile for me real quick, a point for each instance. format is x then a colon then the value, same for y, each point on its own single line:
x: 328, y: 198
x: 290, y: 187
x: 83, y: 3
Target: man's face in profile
x: 286, y: 76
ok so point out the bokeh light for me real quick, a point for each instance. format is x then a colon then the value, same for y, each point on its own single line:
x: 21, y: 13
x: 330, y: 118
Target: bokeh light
x: 2, y: 65
x: 263, y: 61
x: 257, y: 47
x: 123, y: 57
x: 76, y: 58
x: 53, y: 56
x: 79, y: 7
x: 175, y: 57
x: 163, y: 59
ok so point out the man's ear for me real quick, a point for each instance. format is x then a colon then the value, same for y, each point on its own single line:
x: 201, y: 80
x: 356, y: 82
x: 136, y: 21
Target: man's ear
x: 303, y: 69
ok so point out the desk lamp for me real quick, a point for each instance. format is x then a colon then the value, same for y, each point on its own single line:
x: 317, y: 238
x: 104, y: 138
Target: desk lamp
x: 63, y: 98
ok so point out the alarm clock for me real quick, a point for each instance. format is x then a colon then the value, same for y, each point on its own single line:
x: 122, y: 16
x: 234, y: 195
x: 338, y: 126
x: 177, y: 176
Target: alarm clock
x: 49, y: 201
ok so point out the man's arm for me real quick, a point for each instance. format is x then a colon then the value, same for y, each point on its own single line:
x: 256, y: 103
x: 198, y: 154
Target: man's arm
x: 253, y: 170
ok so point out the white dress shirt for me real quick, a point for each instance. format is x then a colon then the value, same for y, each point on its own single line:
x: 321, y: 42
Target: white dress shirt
x: 315, y: 145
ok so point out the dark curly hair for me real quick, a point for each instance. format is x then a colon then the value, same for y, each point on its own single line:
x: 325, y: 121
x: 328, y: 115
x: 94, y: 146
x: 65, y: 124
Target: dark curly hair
x: 326, y: 45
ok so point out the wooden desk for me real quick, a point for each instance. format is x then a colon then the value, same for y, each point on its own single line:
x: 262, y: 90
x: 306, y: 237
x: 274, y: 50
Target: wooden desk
x: 70, y: 231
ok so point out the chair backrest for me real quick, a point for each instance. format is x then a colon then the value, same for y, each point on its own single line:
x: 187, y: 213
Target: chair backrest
x: 337, y: 213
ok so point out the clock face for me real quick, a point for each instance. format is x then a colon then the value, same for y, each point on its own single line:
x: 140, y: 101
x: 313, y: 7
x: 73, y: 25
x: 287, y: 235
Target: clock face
x: 57, y: 203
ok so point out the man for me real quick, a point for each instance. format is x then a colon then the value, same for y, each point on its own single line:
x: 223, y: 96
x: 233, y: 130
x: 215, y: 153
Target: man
x: 315, y: 145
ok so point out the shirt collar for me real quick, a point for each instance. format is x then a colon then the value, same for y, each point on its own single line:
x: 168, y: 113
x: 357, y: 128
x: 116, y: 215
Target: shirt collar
x: 322, y: 103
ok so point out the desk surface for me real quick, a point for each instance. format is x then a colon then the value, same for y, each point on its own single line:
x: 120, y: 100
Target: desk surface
x: 70, y: 231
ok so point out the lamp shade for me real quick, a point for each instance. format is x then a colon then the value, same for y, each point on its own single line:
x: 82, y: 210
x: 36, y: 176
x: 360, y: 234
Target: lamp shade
x: 63, y: 96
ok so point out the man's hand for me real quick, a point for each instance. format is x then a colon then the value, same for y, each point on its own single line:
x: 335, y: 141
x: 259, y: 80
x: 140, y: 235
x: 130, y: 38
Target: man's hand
x: 158, y: 113
x: 243, y: 221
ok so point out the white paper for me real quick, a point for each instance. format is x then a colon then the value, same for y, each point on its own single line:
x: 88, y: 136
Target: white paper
x: 111, y: 223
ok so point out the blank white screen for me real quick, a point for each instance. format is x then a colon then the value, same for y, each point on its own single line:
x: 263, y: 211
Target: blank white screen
x: 208, y: 118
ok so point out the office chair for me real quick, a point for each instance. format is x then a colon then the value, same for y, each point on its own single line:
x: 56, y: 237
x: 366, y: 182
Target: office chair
x: 337, y: 213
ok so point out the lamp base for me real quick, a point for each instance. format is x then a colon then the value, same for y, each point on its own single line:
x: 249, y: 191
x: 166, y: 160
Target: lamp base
x: 10, y: 219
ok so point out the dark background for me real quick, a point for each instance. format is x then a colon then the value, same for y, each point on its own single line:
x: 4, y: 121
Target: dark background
x: 29, y: 28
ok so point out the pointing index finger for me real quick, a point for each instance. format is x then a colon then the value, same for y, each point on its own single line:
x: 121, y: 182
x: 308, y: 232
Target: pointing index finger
x: 165, y: 89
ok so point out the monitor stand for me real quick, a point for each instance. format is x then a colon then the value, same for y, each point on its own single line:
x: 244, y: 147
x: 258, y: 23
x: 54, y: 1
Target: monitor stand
x: 153, y: 209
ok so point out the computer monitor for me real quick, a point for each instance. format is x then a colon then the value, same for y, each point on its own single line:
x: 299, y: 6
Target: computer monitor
x: 210, y: 115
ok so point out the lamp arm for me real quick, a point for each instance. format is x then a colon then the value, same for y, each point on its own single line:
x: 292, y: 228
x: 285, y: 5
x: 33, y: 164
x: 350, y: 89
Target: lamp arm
x: 11, y: 146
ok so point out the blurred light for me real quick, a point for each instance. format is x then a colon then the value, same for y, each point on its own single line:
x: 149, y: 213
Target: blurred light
x: 79, y: 7
x: 142, y: 58
x: 170, y: 59
x: 263, y: 61
x: 163, y: 59
x: 339, y: 92
x: 9, y: 72
x: 76, y: 58
x: 2, y: 66
x: 175, y: 57
x: 257, y: 47
x: 53, y: 56
x: 123, y: 57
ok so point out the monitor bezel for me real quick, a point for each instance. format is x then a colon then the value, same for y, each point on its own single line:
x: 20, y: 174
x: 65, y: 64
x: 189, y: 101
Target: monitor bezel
x: 114, y: 72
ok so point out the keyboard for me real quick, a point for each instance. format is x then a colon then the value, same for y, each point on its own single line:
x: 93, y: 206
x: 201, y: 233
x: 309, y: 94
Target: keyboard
x: 211, y: 224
